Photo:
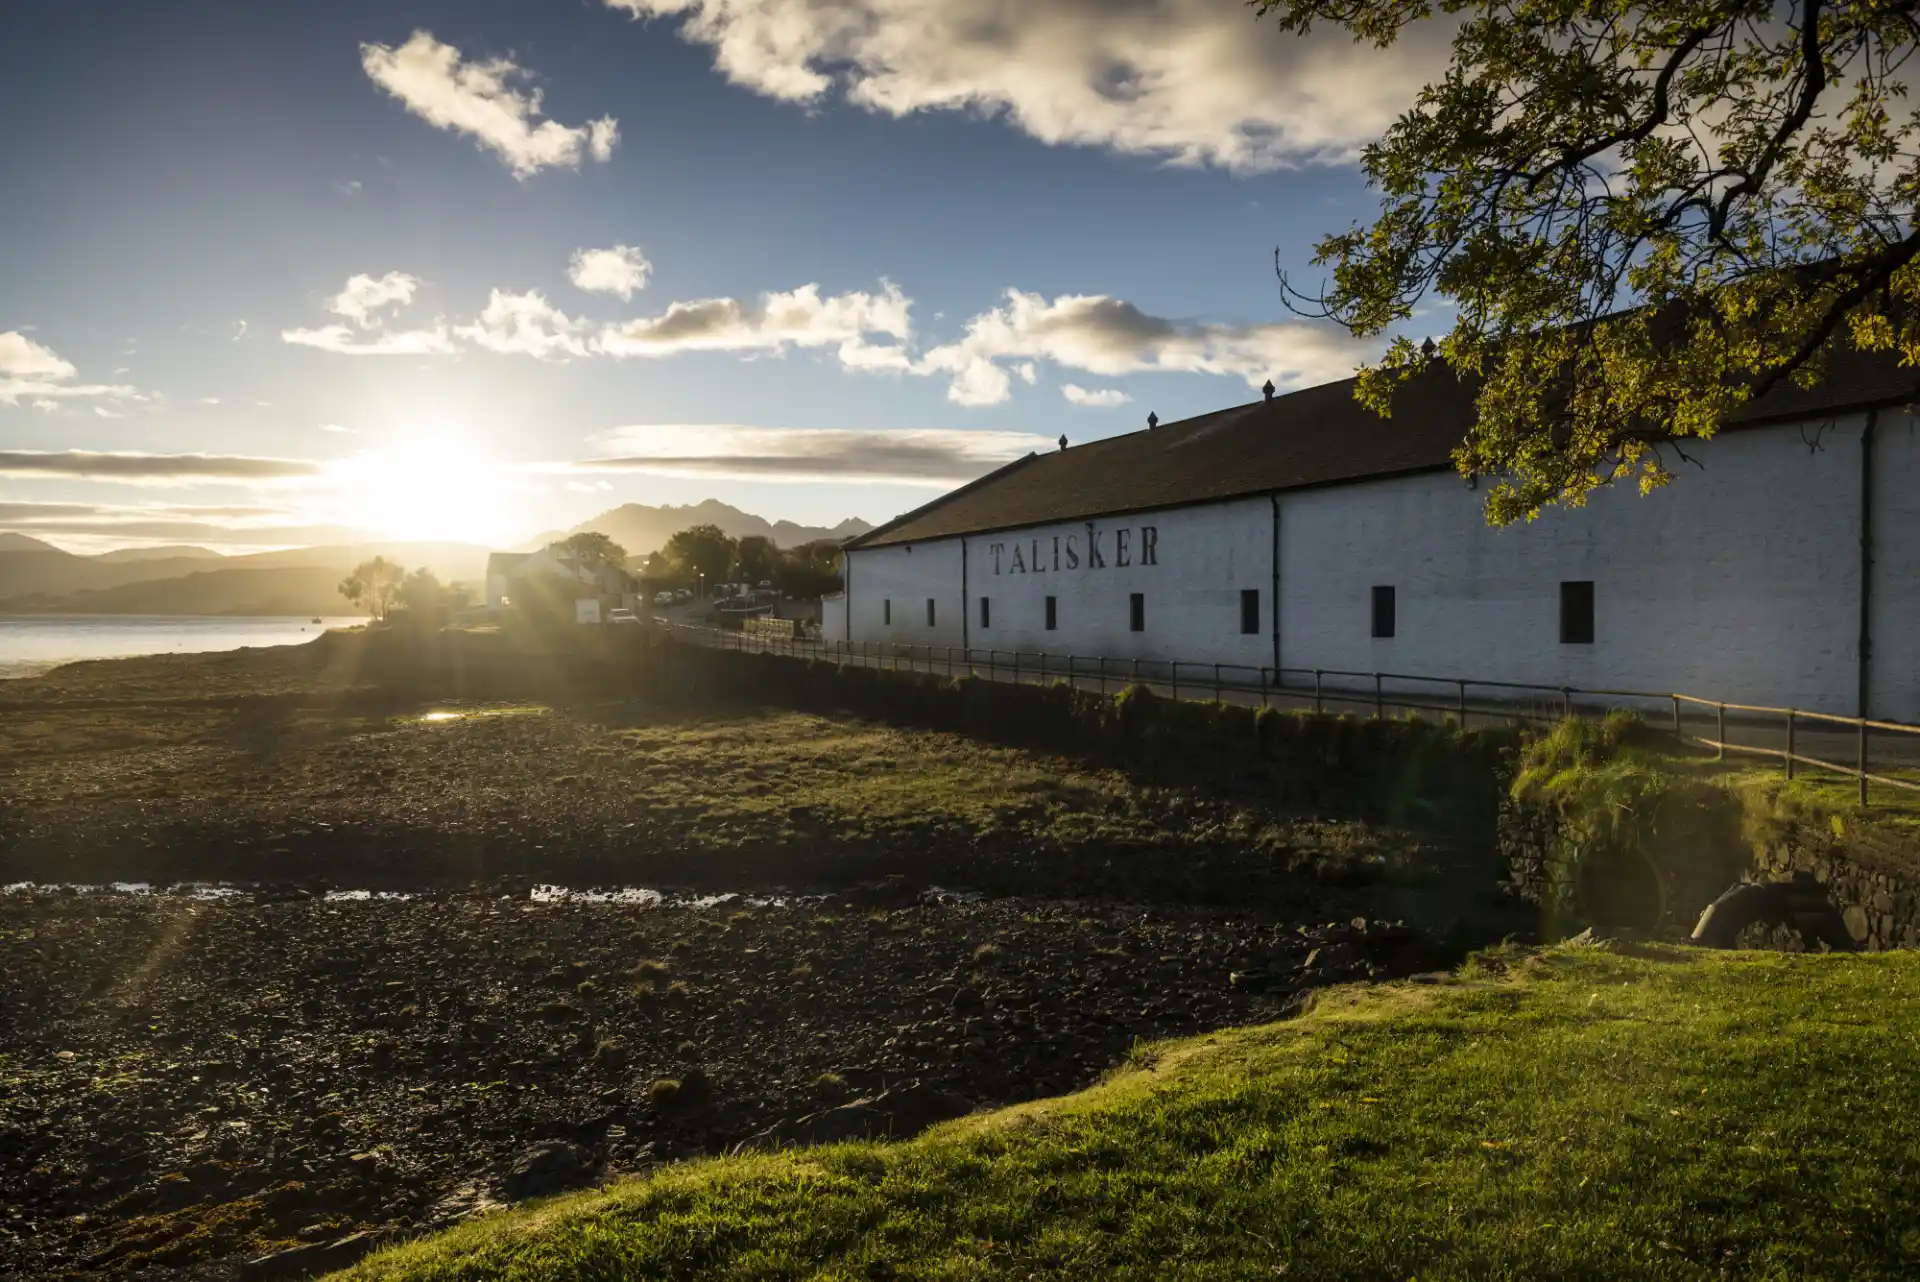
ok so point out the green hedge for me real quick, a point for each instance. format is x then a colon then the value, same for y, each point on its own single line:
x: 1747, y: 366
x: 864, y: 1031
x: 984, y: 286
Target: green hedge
x: 1421, y: 773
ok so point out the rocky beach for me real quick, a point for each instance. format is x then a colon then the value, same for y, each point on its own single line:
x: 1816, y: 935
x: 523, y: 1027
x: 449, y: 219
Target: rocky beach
x: 380, y: 1019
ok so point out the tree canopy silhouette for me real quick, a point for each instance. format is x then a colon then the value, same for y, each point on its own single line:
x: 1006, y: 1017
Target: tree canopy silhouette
x: 1642, y: 217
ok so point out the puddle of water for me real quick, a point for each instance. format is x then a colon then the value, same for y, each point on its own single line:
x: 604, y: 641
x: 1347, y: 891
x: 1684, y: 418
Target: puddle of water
x: 444, y: 715
x: 625, y: 896
x: 643, y: 897
x: 639, y: 896
x: 941, y: 895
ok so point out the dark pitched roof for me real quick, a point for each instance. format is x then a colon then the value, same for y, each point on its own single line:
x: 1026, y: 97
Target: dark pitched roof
x: 1318, y: 436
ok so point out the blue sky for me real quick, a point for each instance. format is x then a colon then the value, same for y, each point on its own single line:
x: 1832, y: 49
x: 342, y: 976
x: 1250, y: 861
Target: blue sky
x: 819, y: 260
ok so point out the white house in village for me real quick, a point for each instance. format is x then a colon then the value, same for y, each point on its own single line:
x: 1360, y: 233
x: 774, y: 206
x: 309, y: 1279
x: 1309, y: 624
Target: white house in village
x: 1781, y: 567
x: 604, y: 586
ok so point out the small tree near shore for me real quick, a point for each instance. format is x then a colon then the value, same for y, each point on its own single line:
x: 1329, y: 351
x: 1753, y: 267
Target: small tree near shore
x: 372, y: 586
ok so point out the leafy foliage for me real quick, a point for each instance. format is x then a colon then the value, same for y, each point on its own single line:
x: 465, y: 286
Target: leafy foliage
x: 427, y: 600
x: 373, y: 585
x: 1644, y: 216
x: 810, y: 570
x: 755, y: 558
x: 592, y: 548
x: 701, y: 550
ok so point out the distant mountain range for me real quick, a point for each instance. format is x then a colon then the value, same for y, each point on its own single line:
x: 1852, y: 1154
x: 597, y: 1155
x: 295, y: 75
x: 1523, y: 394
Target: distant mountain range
x: 641, y: 529
x: 36, y: 577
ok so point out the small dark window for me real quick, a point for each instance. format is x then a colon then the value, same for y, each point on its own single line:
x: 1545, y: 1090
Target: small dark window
x: 1137, y: 612
x: 1053, y: 613
x: 1383, y: 612
x: 986, y: 613
x: 886, y: 611
x: 1249, y: 609
x: 929, y: 611
x: 1576, y: 612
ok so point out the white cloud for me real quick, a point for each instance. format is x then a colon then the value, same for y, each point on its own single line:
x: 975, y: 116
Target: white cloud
x: 479, y: 98
x: 37, y: 374
x: 151, y: 469
x: 209, y: 400
x: 1112, y: 337
x: 911, y: 456
x: 798, y: 318
x: 336, y: 428
x: 344, y: 342
x: 525, y: 325
x: 1190, y: 81
x: 362, y: 303
x: 620, y: 270
x: 104, y: 412
x: 365, y: 297
x: 21, y: 357
x: 46, y: 407
x: 239, y: 330
x: 100, y: 526
x: 1098, y: 398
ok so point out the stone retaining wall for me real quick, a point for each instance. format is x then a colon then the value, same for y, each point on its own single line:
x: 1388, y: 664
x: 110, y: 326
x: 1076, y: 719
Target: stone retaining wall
x: 1873, y: 876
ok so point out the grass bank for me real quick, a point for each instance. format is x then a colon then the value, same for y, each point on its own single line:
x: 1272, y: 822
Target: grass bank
x: 1613, y: 824
x: 1576, y: 1114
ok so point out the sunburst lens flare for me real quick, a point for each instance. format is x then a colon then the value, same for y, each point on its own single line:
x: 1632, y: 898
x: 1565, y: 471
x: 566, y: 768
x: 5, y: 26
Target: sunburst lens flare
x: 425, y: 490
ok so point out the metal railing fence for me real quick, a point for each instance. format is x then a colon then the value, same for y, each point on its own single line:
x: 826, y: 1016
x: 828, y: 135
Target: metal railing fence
x: 1376, y: 693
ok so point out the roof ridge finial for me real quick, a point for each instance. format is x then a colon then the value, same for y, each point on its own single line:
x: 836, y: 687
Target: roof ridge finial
x: 1153, y: 420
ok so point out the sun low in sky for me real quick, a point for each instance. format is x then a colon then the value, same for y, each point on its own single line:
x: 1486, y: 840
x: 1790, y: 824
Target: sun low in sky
x: 429, y: 270
x: 426, y: 489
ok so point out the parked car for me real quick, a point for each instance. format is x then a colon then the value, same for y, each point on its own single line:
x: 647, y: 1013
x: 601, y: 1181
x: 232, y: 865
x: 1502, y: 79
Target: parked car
x: 684, y: 594
x: 663, y: 597
x: 622, y: 616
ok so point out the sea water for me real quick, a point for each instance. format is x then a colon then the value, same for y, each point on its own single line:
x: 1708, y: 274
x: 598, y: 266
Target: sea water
x: 32, y: 643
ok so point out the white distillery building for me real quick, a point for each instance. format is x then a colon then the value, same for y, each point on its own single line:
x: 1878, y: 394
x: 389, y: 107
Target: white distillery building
x: 1781, y: 567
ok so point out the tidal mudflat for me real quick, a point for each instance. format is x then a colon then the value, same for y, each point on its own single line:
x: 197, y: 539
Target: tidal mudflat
x: 376, y: 1023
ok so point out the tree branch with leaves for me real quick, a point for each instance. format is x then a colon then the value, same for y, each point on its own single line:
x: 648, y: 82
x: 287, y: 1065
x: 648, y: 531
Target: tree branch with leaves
x: 1643, y: 217
x: 373, y: 585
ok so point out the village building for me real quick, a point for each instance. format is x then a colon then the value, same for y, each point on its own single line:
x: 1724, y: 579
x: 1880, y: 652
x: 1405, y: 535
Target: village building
x: 1782, y: 566
x: 595, y: 589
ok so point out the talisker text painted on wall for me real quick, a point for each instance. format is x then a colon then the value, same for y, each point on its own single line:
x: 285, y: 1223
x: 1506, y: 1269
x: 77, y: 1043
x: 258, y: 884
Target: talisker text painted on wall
x: 1125, y: 548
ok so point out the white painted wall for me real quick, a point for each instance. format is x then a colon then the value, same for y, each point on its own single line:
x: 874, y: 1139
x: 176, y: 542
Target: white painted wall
x: 1189, y: 565
x: 1895, y: 652
x: 887, y: 591
x: 1740, y: 581
x: 1201, y: 559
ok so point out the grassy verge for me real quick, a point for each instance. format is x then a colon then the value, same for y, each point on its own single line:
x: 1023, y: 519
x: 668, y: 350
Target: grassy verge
x: 1576, y: 1114
x: 1640, y: 833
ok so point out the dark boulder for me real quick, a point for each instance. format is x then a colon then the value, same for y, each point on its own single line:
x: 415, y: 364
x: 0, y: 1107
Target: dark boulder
x: 549, y: 1167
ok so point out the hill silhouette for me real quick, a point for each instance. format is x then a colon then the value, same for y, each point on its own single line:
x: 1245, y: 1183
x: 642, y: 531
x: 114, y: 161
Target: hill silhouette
x: 640, y: 528
x: 293, y: 581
